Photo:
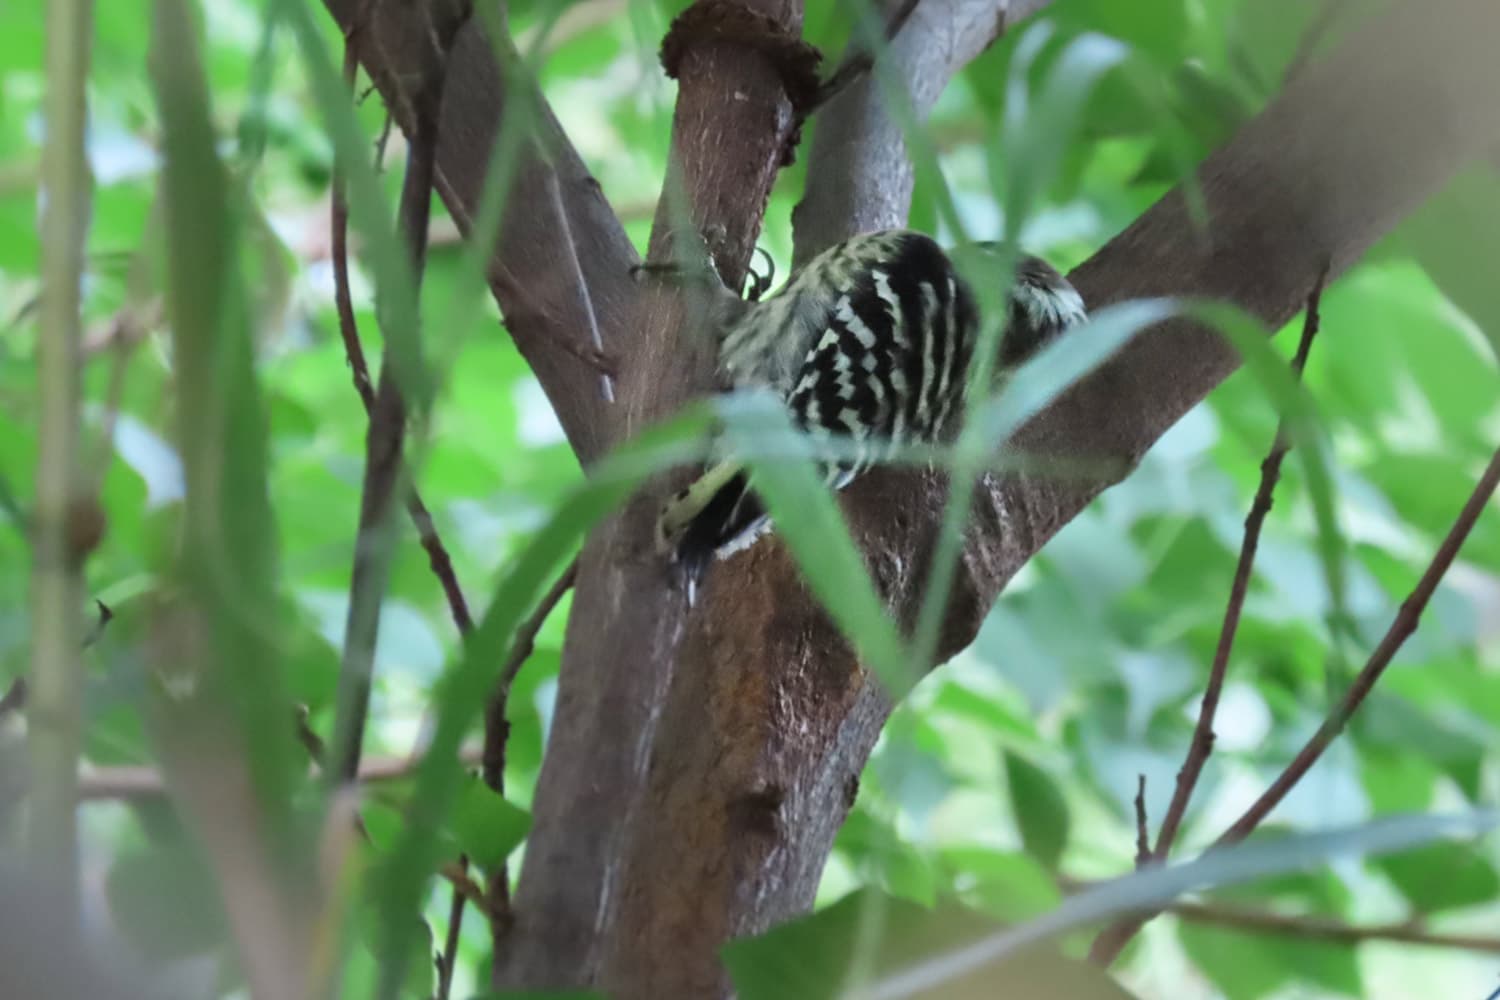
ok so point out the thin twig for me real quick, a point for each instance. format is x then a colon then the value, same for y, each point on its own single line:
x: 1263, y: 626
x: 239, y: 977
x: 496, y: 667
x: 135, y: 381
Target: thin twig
x: 1108, y: 944
x: 14, y: 698
x: 97, y: 631
x: 497, y: 726
x: 1328, y: 929
x: 383, y: 465
x: 1142, y: 834
x: 427, y: 533
x: 310, y: 740
x: 1202, y: 745
x: 1261, y: 921
x: 382, y: 140
x: 466, y: 888
x: 449, y: 955
x: 129, y: 782
x: 859, y: 61
x: 1401, y: 628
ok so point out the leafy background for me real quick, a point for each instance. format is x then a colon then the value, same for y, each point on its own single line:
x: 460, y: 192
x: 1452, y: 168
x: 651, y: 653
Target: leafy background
x: 1012, y: 766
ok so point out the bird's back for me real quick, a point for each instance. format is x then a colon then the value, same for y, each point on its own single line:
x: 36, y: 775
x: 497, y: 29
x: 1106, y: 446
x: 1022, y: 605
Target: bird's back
x: 871, y: 342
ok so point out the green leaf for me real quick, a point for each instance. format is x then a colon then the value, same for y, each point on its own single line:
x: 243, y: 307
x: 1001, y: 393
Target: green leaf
x: 1249, y: 966
x: 1159, y: 27
x: 1396, y: 780
x: 1006, y: 884
x: 1442, y: 877
x: 1452, y: 235
x: 1066, y: 360
x: 1040, y: 810
x: 1154, y: 887
x: 993, y: 422
x: 1035, y: 137
x: 417, y: 945
x: 163, y: 899
x: 1243, y: 966
x: 226, y: 563
x: 488, y: 827
x: 811, y: 958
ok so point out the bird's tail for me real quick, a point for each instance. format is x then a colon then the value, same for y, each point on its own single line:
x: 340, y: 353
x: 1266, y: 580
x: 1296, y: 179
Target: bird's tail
x: 718, y: 513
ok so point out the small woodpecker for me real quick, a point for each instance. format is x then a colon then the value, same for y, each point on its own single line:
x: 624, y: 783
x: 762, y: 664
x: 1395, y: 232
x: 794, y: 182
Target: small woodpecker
x: 871, y: 341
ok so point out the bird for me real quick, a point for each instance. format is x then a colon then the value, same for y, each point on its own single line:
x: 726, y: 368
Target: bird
x: 871, y: 342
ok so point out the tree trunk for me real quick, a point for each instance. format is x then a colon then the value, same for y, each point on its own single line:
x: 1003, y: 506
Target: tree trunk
x: 701, y: 762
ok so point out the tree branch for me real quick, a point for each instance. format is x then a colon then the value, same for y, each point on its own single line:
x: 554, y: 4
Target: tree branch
x: 1401, y: 628
x: 731, y: 129
x: 1142, y: 826
x: 859, y: 178
x: 496, y: 729
x: 374, y: 540
x: 125, y: 781
x: 497, y: 725
x: 421, y: 518
x: 699, y: 765
x: 1262, y: 921
x: 531, y: 272
x: 448, y: 957
x: 1112, y: 940
x: 1270, y: 472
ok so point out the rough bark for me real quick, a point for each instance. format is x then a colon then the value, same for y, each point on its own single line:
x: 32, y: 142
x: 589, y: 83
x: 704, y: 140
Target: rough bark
x: 531, y: 271
x: 732, y: 122
x: 699, y: 764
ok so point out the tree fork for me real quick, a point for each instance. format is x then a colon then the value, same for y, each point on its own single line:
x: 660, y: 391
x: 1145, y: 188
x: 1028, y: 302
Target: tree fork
x: 699, y: 766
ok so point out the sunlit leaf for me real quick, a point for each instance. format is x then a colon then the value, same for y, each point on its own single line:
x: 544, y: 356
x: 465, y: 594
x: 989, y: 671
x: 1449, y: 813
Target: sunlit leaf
x: 488, y: 827
x: 1442, y: 877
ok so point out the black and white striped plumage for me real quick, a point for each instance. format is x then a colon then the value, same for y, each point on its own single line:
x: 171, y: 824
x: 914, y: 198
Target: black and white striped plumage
x: 871, y: 341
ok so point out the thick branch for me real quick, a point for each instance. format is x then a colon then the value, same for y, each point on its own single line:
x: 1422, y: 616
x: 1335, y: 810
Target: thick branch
x: 531, y: 272
x: 1351, y: 147
x: 698, y: 768
x: 748, y: 722
x: 578, y: 920
x: 859, y: 177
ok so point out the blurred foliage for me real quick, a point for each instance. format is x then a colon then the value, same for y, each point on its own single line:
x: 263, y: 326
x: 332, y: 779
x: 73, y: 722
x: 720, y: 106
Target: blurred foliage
x: 1015, y: 764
